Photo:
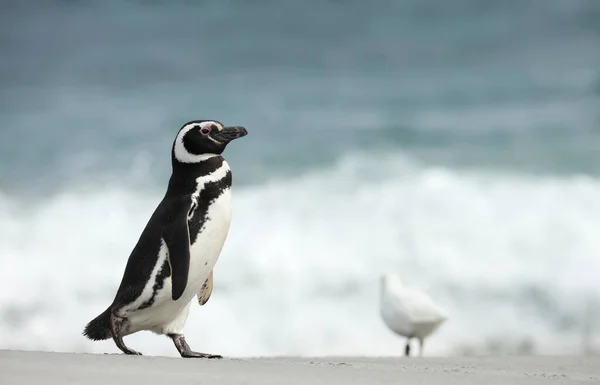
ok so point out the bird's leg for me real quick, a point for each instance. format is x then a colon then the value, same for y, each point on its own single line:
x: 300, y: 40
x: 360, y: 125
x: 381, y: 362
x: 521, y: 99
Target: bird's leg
x: 116, y: 330
x: 184, y: 348
x: 421, y: 342
x: 407, y: 348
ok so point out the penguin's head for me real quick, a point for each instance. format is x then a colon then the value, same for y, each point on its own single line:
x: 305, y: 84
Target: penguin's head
x: 201, y: 137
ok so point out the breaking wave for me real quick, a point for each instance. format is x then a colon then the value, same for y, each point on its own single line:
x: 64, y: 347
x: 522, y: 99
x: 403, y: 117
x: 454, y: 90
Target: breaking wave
x: 512, y: 257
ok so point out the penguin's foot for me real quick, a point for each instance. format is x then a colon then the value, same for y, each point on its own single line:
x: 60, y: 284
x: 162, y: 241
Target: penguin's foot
x: 116, y: 330
x: 184, y: 348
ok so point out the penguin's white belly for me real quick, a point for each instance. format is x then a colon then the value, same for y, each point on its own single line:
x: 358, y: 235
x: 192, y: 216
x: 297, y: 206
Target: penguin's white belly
x: 209, y: 242
x: 165, y: 315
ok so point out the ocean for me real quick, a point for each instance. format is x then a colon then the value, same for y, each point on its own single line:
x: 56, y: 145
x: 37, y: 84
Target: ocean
x: 455, y: 143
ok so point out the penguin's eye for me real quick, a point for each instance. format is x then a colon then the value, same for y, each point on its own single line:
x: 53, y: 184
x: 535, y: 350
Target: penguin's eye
x: 205, y: 130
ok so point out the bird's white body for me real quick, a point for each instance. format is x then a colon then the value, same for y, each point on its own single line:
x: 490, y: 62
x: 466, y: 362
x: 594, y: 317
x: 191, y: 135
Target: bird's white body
x: 166, y: 316
x: 408, y: 312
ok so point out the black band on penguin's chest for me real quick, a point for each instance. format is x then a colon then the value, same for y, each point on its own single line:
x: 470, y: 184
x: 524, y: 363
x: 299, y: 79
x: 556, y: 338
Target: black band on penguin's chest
x: 184, y: 181
x: 184, y: 178
x: 210, y: 192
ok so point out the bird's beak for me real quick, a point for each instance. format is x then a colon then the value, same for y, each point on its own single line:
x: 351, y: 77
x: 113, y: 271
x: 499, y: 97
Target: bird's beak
x: 227, y: 134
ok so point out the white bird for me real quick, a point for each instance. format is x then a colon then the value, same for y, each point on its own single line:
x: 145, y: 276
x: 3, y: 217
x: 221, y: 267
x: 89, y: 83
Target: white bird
x: 408, y: 312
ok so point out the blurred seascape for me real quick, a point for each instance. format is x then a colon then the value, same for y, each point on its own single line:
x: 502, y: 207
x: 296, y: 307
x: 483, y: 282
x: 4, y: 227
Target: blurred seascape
x: 456, y: 143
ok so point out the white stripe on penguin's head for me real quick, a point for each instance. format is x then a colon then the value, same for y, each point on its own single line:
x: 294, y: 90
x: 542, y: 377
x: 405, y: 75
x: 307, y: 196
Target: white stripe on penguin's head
x: 182, y: 154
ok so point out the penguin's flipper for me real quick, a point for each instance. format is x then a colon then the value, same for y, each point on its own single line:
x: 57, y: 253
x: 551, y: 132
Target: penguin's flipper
x: 206, y: 290
x: 176, y: 235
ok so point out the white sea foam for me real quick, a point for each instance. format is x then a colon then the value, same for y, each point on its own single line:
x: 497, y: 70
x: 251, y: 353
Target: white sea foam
x: 509, y: 256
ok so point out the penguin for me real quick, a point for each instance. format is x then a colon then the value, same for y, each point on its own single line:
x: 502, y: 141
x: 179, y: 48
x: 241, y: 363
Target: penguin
x: 173, y: 259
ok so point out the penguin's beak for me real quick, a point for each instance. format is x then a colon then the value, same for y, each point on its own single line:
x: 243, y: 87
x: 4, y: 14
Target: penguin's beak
x: 227, y: 134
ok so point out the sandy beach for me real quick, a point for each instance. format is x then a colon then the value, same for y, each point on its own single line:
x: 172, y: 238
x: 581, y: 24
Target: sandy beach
x: 20, y: 367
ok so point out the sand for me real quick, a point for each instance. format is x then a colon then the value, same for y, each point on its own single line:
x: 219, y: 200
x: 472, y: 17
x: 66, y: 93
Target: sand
x: 25, y: 368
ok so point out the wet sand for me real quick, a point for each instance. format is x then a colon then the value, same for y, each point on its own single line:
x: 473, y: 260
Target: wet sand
x: 25, y: 368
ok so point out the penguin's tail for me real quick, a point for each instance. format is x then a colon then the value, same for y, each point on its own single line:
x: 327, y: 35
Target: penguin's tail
x: 99, y: 328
